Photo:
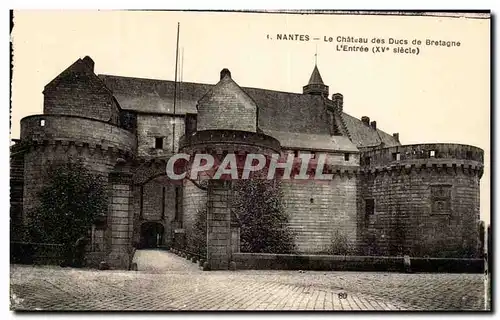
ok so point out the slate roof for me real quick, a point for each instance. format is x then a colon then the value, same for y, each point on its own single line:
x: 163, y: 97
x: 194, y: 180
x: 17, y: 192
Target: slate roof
x: 301, y: 117
x: 85, y: 74
x: 365, y: 136
x: 228, y: 93
x: 307, y: 141
x: 315, y: 77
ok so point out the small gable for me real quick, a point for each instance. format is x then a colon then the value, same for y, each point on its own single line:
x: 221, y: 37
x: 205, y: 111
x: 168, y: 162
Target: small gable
x: 227, y: 106
x: 79, y: 91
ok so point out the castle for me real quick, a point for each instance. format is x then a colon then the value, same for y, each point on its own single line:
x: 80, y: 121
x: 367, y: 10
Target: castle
x: 385, y: 198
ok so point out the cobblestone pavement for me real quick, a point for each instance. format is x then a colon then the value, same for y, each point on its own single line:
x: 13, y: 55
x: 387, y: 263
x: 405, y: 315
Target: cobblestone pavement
x: 176, y: 284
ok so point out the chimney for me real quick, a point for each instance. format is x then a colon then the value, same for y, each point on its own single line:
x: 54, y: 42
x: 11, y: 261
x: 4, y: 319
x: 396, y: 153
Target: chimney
x: 338, y: 101
x: 89, y: 62
x: 365, y: 120
x: 225, y: 72
x: 396, y: 136
x: 374, y: 125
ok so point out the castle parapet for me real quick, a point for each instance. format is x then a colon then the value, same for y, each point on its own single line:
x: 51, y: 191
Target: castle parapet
x: 77, y: 129
x: 423, y: 155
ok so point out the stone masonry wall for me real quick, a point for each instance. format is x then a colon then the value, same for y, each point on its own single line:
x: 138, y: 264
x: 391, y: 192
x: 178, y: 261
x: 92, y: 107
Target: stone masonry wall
x: 425, y: 200
x: 56, y: 139
x: 403, y: 221
x: 16, y: 191
x: 318, y: 209
x: 234, y: 117
x: 119, y: 220
x: 219, y: 250
x: 194, y: 199
x: 39, y: 158
x: 78, y: 91
x: 152, y: 202
x: 227, y: 107
x: 77, y: 129
x: 150, y: 127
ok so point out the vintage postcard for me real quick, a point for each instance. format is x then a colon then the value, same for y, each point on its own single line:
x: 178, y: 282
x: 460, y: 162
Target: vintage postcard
x: 205, y: 160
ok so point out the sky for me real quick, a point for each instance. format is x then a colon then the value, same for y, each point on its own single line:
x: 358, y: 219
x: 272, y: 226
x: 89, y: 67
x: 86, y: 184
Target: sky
x: 441, y: 95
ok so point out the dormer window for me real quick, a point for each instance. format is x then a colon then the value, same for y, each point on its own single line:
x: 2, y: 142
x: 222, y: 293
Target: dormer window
x: 159, y: 143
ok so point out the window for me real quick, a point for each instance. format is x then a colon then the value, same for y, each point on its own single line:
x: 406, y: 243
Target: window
x: 190, y: 124
x: 42, y: 122
x: 367, y: 161
x: 369, y: 207
x: 346, y: 156
x: 432, y: 153
x: 158, y: 143
x: 396, y: 156
x: 468, y: 155
x: 441, y: 199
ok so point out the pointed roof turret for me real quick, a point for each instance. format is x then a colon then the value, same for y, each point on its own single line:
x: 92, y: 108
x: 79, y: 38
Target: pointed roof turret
x: 316, y: 85
x: 315, y: 77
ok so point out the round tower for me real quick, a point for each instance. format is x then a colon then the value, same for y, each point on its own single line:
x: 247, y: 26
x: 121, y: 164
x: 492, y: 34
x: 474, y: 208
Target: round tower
x: 421, y: 200
x: 54, y: 139
x: 227, y: 126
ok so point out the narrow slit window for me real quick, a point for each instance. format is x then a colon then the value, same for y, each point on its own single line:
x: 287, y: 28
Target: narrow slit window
x: 346, y: 156
x: 158, y: 143
x: 369, y: 207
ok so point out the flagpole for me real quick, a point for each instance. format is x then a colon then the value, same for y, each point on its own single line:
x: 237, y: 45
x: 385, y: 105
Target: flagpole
x: 316, y: 56
x: 175, y: 86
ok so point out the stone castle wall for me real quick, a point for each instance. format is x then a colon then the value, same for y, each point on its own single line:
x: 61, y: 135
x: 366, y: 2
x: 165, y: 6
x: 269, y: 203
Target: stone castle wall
x: 57, y: 138
x: 321, y: 211
x: 425, y: 200
x: 150, y: 127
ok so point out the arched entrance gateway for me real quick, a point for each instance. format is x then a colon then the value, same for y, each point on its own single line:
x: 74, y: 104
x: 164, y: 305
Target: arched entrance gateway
x: 152, y: 235
x: 156, y: 205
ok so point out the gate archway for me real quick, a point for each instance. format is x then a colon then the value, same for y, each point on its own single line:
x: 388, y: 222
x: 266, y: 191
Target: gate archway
x: 152, y: 234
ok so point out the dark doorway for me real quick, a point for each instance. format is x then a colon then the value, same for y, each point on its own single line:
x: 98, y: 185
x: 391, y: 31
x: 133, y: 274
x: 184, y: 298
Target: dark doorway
x: 151, y: 235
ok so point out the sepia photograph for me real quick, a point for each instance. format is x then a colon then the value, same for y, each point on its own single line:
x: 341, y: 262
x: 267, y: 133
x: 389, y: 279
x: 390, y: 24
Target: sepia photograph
x: 250, y: 161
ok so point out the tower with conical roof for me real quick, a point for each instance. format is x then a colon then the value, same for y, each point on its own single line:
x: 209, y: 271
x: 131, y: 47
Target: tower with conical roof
x: 316, y: 85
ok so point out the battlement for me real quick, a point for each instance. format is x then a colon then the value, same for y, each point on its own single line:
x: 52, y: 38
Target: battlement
x: 47, y: 129
x: 440, y: 155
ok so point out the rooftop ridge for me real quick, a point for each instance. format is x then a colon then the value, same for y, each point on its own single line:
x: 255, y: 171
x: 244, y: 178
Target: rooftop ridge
x: 198, y: 83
